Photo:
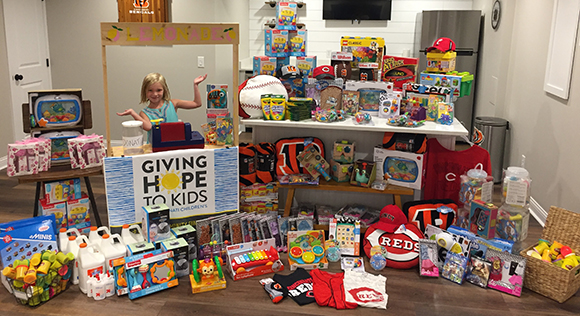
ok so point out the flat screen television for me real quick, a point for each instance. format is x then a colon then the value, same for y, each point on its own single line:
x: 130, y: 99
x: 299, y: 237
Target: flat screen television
x: 356, y: 9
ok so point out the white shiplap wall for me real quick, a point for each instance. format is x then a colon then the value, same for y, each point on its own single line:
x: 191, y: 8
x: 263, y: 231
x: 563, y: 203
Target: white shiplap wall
x: 324, y: 35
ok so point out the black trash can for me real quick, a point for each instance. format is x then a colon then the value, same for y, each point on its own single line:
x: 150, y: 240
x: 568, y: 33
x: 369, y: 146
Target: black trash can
x: 489, y: 133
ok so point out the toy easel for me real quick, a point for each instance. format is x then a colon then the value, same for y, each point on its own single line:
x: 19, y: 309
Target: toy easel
x: 143, y: 34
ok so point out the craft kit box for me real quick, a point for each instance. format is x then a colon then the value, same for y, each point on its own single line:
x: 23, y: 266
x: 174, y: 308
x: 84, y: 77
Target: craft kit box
x: 188, y: 233
x: 401, y: 168
x: 306, y: 64
x: 254, y: 258
x: 306, y: 249
x: 180, y: 250
x: 276, y: 43
x: 399, y: 70
x: 78, y: 214
x: 297, y: 42
x: 155, y: 222
x: 264, y: 65
x: 62, y: 190
x: 58, y: 209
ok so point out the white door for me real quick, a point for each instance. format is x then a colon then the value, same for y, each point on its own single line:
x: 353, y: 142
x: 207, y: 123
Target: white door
x: 27, y: 46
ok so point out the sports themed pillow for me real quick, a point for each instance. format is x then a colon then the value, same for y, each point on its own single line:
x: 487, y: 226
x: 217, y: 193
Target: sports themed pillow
x: 425, y: 212
x: 402, y: 246
x: 287, y: 149
x: 415, y: 143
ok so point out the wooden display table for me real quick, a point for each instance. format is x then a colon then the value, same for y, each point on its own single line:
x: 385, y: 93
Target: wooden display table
x: 118, y: 151
x: 62, y: 172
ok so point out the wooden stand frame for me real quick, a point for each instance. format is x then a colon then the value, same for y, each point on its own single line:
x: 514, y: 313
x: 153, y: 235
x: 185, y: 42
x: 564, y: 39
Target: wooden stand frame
x: 143, y: 34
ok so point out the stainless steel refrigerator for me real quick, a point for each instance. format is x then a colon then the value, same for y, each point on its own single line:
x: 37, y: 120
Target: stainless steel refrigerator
x: 463, y: 27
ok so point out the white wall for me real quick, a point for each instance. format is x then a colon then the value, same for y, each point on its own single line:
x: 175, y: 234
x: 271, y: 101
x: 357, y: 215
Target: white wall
x: 324, y: 35
x: 6, y: 126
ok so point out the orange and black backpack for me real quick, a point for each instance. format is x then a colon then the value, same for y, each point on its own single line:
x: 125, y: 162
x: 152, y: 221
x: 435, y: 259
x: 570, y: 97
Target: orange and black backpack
x: 287, y: 149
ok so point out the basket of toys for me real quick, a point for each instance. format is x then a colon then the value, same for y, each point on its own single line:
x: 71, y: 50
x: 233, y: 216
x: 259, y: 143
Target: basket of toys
x: 552, y: 266
x: 35, y: 281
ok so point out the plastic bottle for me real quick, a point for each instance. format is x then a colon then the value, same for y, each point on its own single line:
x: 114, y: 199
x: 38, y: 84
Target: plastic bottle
x: 91, y: 286
x: 62, y: 240
x: 95, y: 237
x: 73, y: 247
x: 90, y: 264
x: 112, y: 250
x: 99, y: 288
x: 129, y: 237
x: 109, y: 284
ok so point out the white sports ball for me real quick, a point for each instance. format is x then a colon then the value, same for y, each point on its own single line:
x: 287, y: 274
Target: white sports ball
x: 254, y: 89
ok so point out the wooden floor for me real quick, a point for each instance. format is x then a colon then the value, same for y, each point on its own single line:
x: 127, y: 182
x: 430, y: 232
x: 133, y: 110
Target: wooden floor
x: 408, y: 293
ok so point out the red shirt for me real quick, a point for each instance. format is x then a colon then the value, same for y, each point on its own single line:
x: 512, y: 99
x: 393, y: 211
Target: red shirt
x: 444, y: 168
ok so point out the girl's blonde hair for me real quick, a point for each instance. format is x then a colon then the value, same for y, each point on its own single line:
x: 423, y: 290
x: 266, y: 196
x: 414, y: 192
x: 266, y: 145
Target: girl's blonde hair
x: 151, y: 79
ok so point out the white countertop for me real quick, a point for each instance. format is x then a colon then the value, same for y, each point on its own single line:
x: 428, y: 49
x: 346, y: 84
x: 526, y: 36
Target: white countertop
x: 379, y: 125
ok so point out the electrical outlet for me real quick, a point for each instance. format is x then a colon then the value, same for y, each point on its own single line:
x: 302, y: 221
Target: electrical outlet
x: 200, y: 62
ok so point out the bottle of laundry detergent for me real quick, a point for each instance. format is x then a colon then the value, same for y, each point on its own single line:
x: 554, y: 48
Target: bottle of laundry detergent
x: 90, y: 264
x: 129, y: 237
x: 112, y: 247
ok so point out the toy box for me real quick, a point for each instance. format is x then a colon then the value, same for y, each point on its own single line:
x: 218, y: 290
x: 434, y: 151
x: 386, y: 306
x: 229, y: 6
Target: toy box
x: 363, y: 173
x: 286, y: 15
x: 445, y: 113
x: 399, y: 70
x: 264, y: 65
x: 180, y: 250
x: 363, y: 49
x: 140, y: 247
x: 56, y: 108
x: 59, y: 145
x: 313, y: 162
x: 155, y: 222
x: 58, y: 209
x: 62, y: 190
x: 441, y: 62
x: 78, y: 214
x: 347, y: 234
x: 254, y: 258
x: 482, y: 219
x: 306, y: 65
x: 306, y: 249
x: 340, y: 172
x: 120, y: 277
x: 442, y: 80
x: 188, y: 233
x: 207, y: 275
x: 343, y: 151
x: 217, y: 96
x: 150, y: 272
x: 276, y: 43
x: 176, y: 135
x: 86, y: 151
x: 22, y: 159
x: 282, y: 61
x: 297, y: 43
x: 404, y: 169
x: 479, y: 245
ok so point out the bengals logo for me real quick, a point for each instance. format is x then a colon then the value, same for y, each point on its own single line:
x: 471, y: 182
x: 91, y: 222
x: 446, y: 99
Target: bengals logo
x: 141, y: 3
x: 363, y: 77
x: 477, y: 136
x: 288, y: 149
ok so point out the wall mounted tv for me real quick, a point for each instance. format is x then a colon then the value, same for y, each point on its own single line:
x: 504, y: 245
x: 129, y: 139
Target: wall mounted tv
x: 356, y: 10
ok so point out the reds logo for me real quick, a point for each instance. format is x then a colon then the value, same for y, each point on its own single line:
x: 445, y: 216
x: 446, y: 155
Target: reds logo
x: 366, y: 295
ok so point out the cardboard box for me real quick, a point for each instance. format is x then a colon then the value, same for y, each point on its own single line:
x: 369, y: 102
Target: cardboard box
x: 180, y: 250
x: 140, y: 247
x: 347, y: 234
x: 310, y: 257
x: 276, y: 43
x: 286, y: 15
x: 306, y: 65
x: 390, y: 167
x: 188, y: 233
x: 242, y: 263
x: 364, y: 49
x: 343, y: 151
x: 297, y: 42
x: 442, y: 80
x: 62, y: 190
x: 482, y: 219
x: 58, y: 209
x: 155, y: 222
x: 340, y: 172
x: 264, y: 65
x: 156, y: 261
x: 399, y: 70
x: 78, y: 214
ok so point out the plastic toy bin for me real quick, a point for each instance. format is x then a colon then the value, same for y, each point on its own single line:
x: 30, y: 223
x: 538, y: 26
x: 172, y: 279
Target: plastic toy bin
x: 546, y: 278
x: 45, y: 288
x: 466, y: 82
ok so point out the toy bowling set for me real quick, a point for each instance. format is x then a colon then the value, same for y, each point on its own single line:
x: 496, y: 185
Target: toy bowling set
x: 276, y: 43
x: 155, y: 222
x: 399, y: 70
x: 482, y: 219
x: 78, y: 214
x: 254, y: 258
x: 62, y: 190
x: 401, y: 168
x: 150, y: 272
x: 306, y: 249
x: 56, y: 108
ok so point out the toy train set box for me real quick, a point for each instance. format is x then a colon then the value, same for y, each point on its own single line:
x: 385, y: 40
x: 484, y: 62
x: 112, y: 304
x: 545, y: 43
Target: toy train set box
x: 254, y: 258
x: 56, y: 108
x: 401, y: 168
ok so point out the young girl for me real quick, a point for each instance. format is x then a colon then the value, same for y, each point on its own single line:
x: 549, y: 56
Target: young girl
x: 154, y: 89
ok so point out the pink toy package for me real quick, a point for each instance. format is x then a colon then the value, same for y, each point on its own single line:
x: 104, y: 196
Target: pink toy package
x: 22, y: 159
x: 87, y: 151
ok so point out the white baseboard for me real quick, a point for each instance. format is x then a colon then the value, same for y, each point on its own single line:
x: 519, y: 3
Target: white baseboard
x: 538, y: 212
x: 3, y: 162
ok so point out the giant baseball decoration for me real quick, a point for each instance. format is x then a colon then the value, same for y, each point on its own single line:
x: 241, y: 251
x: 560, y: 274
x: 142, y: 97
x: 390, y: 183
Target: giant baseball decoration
x: 252, y: 90
x: 402, y: 246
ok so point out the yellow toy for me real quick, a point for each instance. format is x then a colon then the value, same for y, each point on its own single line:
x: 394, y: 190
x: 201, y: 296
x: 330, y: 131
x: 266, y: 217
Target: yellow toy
x: 207, y: 275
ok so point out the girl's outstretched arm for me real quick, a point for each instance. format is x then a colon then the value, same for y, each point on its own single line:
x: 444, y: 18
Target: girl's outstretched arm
x: 184, y: 104
x: 138, y: 117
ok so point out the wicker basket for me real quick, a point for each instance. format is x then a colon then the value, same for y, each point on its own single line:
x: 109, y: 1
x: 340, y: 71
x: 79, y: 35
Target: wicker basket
x: 546, y: 278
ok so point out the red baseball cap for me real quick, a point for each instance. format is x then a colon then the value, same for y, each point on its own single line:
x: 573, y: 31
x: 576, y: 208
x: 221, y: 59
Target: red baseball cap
x: 391, y: 218
x: 324, y: 72
x: 443, y: 44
